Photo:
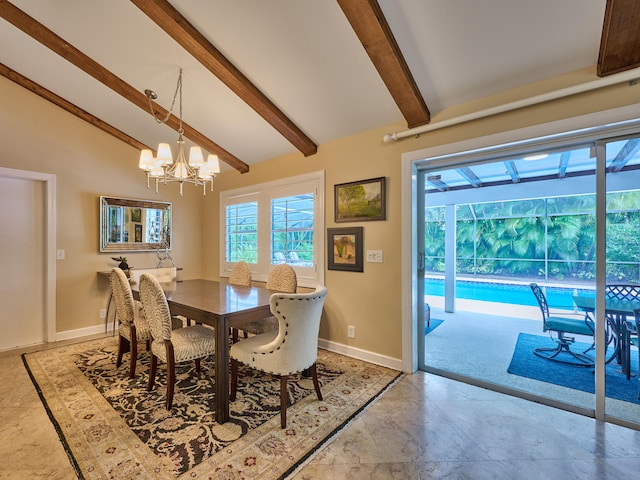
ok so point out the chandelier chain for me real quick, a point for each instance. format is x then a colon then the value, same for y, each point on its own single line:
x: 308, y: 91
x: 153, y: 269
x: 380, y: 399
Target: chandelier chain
x: 150, y: 95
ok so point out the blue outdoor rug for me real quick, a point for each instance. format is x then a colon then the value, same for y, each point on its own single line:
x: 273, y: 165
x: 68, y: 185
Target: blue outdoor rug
x: 525, y: 364
x: 433, y: 324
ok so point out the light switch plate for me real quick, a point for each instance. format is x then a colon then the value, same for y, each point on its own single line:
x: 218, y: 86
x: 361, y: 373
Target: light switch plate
x: 374, y: 256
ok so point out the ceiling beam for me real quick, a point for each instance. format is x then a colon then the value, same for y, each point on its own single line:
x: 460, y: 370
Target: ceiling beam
x: 68, y: 106
x: 371, y: 27
x: 42, y: 34
x: 620, y: 41
x: 470, y: 176
x: 183, y: 32
x: 436, y: 181
x: 625, y: 154
x: 512, y: 170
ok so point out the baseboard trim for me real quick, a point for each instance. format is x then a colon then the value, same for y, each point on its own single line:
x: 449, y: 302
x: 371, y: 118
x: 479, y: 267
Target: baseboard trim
x: 365, y: 355
x: 84, y: 332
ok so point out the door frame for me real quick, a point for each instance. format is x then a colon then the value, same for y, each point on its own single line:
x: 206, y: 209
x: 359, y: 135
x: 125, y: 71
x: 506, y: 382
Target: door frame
x: 613, y: 122
x: 49, y: 241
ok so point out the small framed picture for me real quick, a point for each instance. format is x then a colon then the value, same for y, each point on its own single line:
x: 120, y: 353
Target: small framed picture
x: 345, y: 247
x: 360, y: 201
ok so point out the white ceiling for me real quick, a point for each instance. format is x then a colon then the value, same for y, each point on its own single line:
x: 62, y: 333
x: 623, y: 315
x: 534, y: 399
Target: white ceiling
x: 305, y: 57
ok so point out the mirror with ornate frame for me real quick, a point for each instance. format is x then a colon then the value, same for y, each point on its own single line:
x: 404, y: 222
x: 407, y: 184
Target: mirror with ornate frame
x: 128, y: 225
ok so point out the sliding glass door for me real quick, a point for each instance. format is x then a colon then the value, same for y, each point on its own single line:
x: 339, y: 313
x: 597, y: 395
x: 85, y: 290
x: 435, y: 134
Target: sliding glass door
x: 508, y: 267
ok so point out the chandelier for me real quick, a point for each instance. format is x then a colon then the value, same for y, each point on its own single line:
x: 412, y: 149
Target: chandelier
x: 163, y: 169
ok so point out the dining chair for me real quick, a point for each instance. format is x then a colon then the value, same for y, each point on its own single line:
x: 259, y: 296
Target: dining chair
x: 133, y: 327
x: 561, y: 326
x: 291, y: 349
x: 240, y: 274
x: 282, y: 279
x: 625, y: 292
x: 163, y: 275
x: 168, y: 345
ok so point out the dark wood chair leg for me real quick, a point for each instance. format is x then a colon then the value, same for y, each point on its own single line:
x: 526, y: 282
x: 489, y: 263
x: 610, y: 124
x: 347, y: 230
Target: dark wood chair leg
x: 133, y: 344
x: 133, y: 359
x: 284, y: 399
x: 152, y: 371
x: 234, y: 379
x: 123, y: 347
x: 171, y: 373
x: 197, y: 365
x: 316, y: 384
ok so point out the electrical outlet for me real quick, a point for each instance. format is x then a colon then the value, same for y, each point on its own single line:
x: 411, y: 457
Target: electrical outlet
x: 60, y: 254
x: 103, y: 313
x: 351, y: 331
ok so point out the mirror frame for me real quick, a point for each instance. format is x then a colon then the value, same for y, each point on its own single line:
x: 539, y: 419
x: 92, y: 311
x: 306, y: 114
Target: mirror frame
x: 107, y: 246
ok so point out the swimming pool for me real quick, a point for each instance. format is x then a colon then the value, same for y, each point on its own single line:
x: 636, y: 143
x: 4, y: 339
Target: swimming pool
x: 517, y: 294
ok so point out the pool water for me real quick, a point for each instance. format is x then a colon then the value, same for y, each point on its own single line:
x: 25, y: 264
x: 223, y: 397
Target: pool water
x: 557, y: 297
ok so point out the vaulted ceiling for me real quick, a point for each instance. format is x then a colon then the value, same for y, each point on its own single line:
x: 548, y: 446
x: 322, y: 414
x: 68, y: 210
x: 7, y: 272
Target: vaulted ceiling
x: 267, y: 78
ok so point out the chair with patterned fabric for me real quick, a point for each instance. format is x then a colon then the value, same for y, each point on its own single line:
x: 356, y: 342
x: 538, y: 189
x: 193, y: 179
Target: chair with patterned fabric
x: 291, y: 349
x: 240, y: 274
x: 165, y: 275
x: 282, y: 279
x: 133, y: 327
x: 168, y: 345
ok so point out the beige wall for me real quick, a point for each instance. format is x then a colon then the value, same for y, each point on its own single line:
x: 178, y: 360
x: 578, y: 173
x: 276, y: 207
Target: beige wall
x: 35, y: 135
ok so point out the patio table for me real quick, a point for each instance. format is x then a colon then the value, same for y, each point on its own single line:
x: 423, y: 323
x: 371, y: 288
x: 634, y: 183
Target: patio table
x: 616, y: 311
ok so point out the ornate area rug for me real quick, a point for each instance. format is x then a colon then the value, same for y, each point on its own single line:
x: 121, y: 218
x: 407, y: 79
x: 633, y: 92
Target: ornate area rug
x: 113, y: 428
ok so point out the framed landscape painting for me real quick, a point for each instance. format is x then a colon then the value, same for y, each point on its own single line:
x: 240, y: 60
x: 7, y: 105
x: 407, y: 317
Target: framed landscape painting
x: 361, y: 201
x: 345, y: 249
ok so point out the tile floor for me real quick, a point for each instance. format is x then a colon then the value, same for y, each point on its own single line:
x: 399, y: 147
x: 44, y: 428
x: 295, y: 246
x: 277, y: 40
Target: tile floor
x: 424, y: 427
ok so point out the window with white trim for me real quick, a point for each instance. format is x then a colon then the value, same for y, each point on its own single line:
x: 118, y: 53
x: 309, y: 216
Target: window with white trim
x: 272, y: 223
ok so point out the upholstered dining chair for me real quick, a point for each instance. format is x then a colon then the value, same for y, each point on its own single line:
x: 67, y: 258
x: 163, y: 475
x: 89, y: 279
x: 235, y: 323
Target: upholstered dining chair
x: 171, y: 346
x: 291, y: 349
x: 282, y: 279
x: 240, y: 274
x: 561, y: 326
x: 133, y: 327
x: 163, y: 275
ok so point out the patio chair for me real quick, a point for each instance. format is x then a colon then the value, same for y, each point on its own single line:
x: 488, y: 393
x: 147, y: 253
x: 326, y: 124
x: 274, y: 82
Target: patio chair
x: 561, y: 326
x: 633, y: 339
x: 630, y: 292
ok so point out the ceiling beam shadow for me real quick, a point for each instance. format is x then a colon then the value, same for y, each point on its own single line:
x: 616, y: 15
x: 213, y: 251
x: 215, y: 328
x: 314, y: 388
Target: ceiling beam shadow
x: 620, y: 41
x: 46, y: 37
x: 196, y: 44
x: 371, y: 27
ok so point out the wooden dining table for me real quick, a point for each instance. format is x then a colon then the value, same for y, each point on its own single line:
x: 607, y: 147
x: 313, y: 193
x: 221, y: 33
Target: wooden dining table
x: 222, y: 306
